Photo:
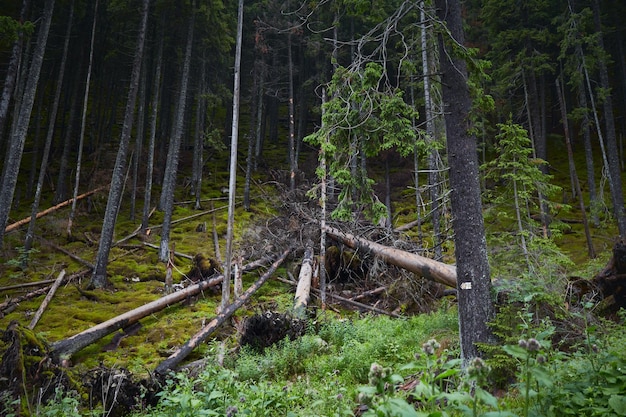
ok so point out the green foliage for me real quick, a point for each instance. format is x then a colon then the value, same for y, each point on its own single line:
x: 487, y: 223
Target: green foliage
x: 514, y: 201
x: 10, y: 29
x: 64, y: 404
x: 363, y: 118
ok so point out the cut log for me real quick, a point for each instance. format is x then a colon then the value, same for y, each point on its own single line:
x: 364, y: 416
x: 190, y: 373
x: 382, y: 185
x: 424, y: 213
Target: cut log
x: 175, y: 358
x: 49, y: 210
x: 64, y: 349
x: 303, y: 289
x: 425, y: 267
x: 46, y: 300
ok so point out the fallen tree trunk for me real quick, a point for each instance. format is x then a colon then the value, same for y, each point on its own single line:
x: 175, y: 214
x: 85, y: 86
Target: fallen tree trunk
x: 46, y: 301
x: 303, y: 289
x: 175, y: 358
x: 425, y: 267
x: 64, y: 349
x: 26, y: 220
x: 10, y: 304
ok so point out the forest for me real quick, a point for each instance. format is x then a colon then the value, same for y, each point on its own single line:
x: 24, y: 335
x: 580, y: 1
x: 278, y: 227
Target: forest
x: 312, y: 208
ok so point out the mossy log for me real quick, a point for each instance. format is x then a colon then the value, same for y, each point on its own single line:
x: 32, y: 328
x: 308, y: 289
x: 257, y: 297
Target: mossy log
x: 175, y: 358
x: 64, y: 349
x: 425, y: 267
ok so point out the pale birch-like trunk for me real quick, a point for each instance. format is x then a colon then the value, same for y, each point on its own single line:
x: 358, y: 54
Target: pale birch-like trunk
x: 233, y: 163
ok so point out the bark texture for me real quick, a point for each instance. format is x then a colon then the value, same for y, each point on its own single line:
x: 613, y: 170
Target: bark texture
x: 473, y: 275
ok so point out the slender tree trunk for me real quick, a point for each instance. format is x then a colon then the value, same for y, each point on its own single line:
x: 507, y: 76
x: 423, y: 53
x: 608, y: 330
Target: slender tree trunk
x: 434, y: 177
x: 198, y: 154
x: 473, y: 277
x: 293, y: 163
x: 61, y: 187
x: 138, y: 154
x: 233, y: 163
x: 323, y: 199
x: 259, y: 116
x: 16, y: 146
x: 28, y: 241
x: 99, y: 277
x: 83, y: 124
x: 154, y: 111
x: 572, y: 169
x: 254, y: 103
x: 12, y: 71
x: 611, y: 138
x: 591, y: 176
x: 171, y: 167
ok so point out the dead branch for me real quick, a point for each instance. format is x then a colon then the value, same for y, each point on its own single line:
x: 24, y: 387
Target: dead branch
x: 64, y: 349
x: 369, y: 293
x: 49, y: 210
x: 47, y: 300
x: 428, y: 268
x: 134, y: 232
x: 175, y: 358
x: 68, y: 253
x: 359, y: 305
x: 9, y: 304
x: 182, y: 255
x: 28, y: 284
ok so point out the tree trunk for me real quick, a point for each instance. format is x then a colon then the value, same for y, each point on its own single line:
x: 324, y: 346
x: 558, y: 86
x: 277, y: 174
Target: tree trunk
x: 293, y: 163
x: 233, y: 162
x: 175, y: 358
x: 154, y: 111
x: 12, y: 72
x: 16, y: 146
x: 81, y: 138
x: 611, y: 138
x: 425, y: 267
x: 474, y: 283
x: 99, y: 277
x: 572, y: 169
x: 138, y: 154
x: 198, y: 146
x: 171, y: 167
x: 28, y: 241
x: 64, y: 349
x: 434, y: 176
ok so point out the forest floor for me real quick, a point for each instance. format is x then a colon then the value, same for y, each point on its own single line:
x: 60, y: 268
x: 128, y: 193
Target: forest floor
x: 278, y: 219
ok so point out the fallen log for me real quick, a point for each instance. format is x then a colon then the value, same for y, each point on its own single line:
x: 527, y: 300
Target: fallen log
x: 63, y: 350
x: 175, y: 358
x: 28, y: 284
x: 303, y: 288
x: 26, y: 220
x: 46, y: 301
x: 10, y: 304
x: 425, y: 267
